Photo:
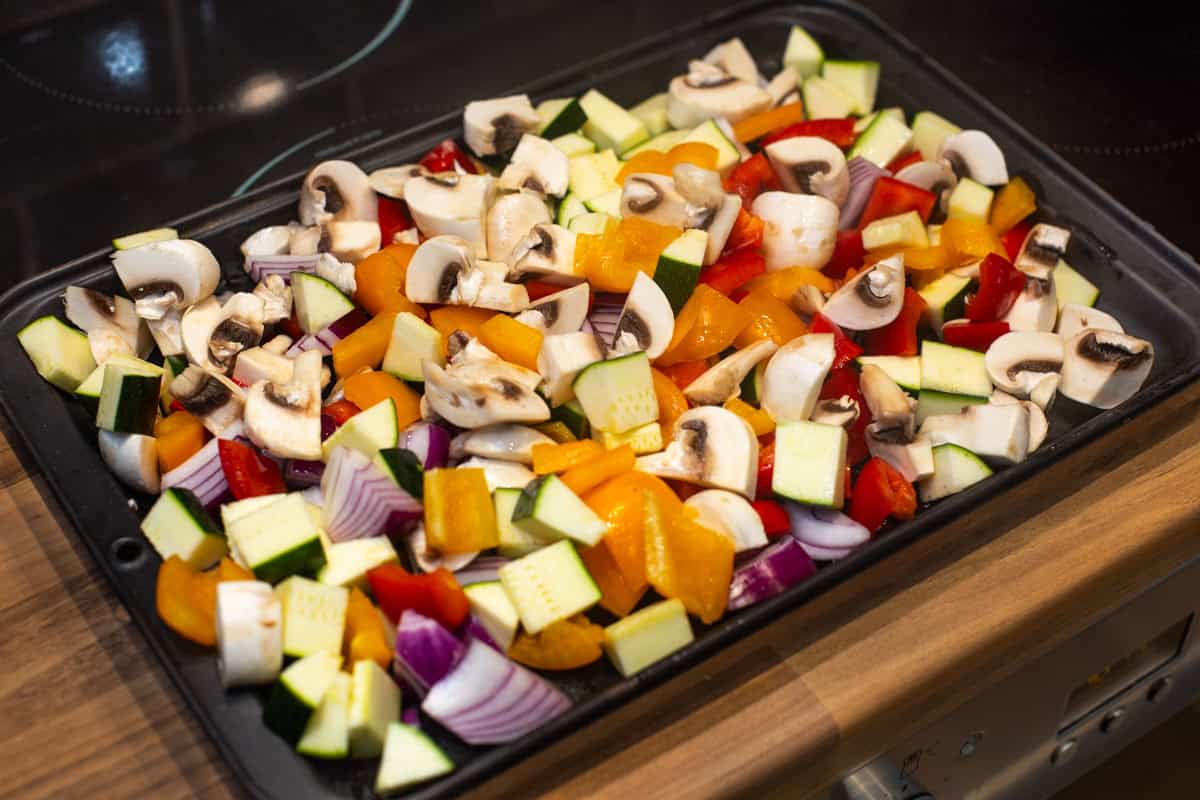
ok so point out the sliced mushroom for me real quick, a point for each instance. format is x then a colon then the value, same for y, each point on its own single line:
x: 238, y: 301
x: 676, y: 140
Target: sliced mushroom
x: 811, y: 165
x: 497, y: 125
x: 561, y: 312
x: 733, y: 58
x: 932, y: 176
x: 1039, y: 427
x: 504, y: 442
x: 655, y: 198
x: 841, y: 411
x: 337, y: 191
x: 1042, y: 249
x: 799, y: 230
x: 196, y: 326
x: 444, y: 270
x: 260, y: 364
x: 307, y: 241
x: 538, y: 165
x: 712, y: 447
x: 278, y: 344
x: 390, y: 181
x: 214, y: 399
x: 562, y: 357
x: 1036, y: 308
x: 1105, y: 368
x: 721, y: 226
x: 167, y: 332
x: 1020, y: 362
x: 106, y: 343
x: 794, y: 375
x: 107, y: 317
x: 510, y: 219
x: 161, y: 276
x: 784, y: 88
x: 273, y: 240
x: 276, y: 295
x: 707, y: 91
x: 133, y: 458
x: 646, y: 322
x: 339, y: 273
x: 478, y: 393
x: 974, y: 155
x: 285, y: 418
x: 807, y: 300
x: 997, y: 433
x: 702, y: 189
x: 1073, y: 318
x: 451, y: 204
x: 892, y: 411
x: 547, y: 253
x: 240, y: 327
x: 500, y: 474
x: 351, y: 240
x: 723, y: 380
x: 407, y: 236
x: 871, y: 299
x: 730, y: 514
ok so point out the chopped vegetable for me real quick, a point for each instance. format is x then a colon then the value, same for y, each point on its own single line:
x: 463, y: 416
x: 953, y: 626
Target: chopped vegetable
x: 881, y: 492
x: 569, y: 644
x: 459, y: 517
x: 436, y: 595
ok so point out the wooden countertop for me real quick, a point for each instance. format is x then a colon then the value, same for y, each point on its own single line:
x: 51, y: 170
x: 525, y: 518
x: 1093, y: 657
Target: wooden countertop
x: 87, y: 712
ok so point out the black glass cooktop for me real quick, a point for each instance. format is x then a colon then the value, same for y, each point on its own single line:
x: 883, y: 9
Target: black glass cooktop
x: 119, y: 116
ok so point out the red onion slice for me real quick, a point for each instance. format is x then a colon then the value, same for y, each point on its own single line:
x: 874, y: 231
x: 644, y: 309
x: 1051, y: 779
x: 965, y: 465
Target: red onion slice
x: 341, y: 327
x: 428, y: 442
x: 473, y: 629
x: 411, y: 717
x: 819, y: 553
x: 360, y: 500
x: 480, y: 570
x: 259, y: 267
x: 425, y: 651
x: 863, y: 175
x: 488, y: 699
x: 778, y: 567
x: 308, y: 341
x: 825, y: 528
x: 202, y: 473
x: 299, y: 474
x: 427, y: 561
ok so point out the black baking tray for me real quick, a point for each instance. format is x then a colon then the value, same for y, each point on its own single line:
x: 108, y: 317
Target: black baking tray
x: 1149, y: 284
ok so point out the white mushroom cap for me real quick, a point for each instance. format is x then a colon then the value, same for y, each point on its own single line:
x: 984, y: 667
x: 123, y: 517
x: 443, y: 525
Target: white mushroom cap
x: 1020, y: 360
x: 107, y: 316
x: 655, y: 198
x: 998, y: 433
x: 1105, y: 368
x: 161, y: 276
x: 337, y: 190
x: 975, y: 155
x: 444, y: 270
x: 390, y: 181
x: 732, y: 57
x: 1042, y: 249
x: 1036, y: 308
x: 167, y: 332
x: 707, y: 91
x: 449, y: 204
x: 132, y: 457
x: 561, y: 312
x: 547, y: 253
x: 538, y: 165
x: 239, y: 327
x: 510, y: 219
x: 723, y: 380
x: 731, y: 514
x: 811, y: 165
x: 646, y: 322
x: 285, y: 419
x: 497, y: 125
x: 1072, y: 318
x: 273, y: 240
x: 350, y: 240
x: 713, y: 447
x: 799, y: 230
x: 783, y: 88
x: 503, y: 442
x: 793, y: 377
x: 196, y: 327
x: 871, y: 299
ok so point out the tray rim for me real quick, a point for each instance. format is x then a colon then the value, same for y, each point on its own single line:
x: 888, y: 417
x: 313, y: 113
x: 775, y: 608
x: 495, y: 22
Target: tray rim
x: 279, y: 193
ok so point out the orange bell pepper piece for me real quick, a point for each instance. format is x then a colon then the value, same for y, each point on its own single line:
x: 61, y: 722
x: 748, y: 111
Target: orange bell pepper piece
x: 448, y: 319
x: 365, y: 389
x: 671, y: 402
x: 762, y: 123
x: 612, y: 260
x: 970, y: 241
x: 697, y: 153
x: 770, y: 318
x: 364, y: 636
x: 683, y: 373
x: 550, y: 458
x: 186, y: 598
x: 647, y: 161
x: 687, y: 561
x: 365, y: 347
x: 513, y: 341
x: 596, y: 471
x: 784, y: 283
x: 567, y: 644
x: 616, y: 594
x: 379, y: 281
x: 619, y: 503
x: 459, y: 515
x: 707, y: 324
x: 1013, y: 203
x: 178, y: 437
x: 759, y: 420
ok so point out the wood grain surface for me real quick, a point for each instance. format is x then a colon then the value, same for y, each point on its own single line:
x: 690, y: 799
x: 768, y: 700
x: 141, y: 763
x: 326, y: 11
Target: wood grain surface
x: 87, y: 712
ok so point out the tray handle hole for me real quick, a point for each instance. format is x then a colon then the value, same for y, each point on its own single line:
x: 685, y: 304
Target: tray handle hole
x: 128, y: 552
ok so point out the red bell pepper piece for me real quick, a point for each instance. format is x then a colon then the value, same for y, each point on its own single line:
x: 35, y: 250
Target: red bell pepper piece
x: 751, y: 178
x: 900, y: 162
x: 340, y: 411
x: 766, y: 469
x: 393, y: 218
x: 844, y: 382
x: 733, y: 271
x: 248, y: 472
x: 1000, y: 283
x: 899, y: 337
x: 444, y: 156
x: 436, y: 595
x: 974, y: 335
x: 848, y: 492
x: 839, y: 131
x: 1014, y: 237
x: 891, y: 197
x: 774, y: 518
x: 747, y: 233
x: 879, y: 493
x: 844, y: 350
x: 848, y: 254
x: 539, y: 289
